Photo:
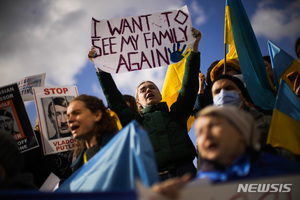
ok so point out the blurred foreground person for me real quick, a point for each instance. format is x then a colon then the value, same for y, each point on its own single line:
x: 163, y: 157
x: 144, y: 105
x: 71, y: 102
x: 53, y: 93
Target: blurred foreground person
x: 228, y: 142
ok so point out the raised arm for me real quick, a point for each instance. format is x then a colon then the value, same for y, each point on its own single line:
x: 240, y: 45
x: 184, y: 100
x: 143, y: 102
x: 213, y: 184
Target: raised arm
x: 113, y: 96
x: 183, y: 107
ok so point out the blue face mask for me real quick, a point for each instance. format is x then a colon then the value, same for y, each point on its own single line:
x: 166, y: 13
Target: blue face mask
x: 227, y: 98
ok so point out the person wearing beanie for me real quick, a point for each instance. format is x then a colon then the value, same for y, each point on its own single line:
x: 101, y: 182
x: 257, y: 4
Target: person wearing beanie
x: 228, y: 141
x: 11, y: 165
x: 230, y: 90
x: 232, y: 68
x: 216, y: 69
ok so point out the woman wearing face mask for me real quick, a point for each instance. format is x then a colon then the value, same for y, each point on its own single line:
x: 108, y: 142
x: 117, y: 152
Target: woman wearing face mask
x: 230, y: 90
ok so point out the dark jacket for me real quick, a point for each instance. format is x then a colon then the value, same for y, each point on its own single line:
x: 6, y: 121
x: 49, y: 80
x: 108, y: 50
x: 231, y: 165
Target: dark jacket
x: 203, y: 99
x: 41, y: 165
x: 167, y: 130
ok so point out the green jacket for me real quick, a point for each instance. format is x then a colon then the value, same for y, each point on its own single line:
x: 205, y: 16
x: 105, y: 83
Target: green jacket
x: 167, y: 130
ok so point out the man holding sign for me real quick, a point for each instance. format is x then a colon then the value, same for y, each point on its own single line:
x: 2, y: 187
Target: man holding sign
x: 167, y: 130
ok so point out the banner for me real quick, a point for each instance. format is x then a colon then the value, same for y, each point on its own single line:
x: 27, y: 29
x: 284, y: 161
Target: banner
x: 142, y: 42
x: 25, y: 85
x: 14, y: 118
x: 55, y: 134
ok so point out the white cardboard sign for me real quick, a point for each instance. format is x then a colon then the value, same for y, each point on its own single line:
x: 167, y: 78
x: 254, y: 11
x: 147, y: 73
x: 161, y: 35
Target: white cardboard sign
x: 142, y: 42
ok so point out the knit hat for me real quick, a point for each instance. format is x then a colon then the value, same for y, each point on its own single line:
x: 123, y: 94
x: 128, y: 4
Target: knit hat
x: 230, y: 62
x: 240, y: 119
x: 10, y: 157
x: 234, y: 79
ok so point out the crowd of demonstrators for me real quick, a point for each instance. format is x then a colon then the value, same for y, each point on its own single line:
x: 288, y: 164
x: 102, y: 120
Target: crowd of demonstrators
x: 228, y: 142
x: 167, y: 129
x: 91, y: 125
x: 231, y: 133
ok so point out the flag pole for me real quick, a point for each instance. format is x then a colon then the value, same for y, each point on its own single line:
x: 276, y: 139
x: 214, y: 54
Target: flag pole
x: 225, y: 52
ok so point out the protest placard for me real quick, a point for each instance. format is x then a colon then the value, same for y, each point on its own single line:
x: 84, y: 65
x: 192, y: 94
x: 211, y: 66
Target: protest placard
x: 14, y: 118
x: 142, y: 42
x: 25, y: 85
x: 51, y: 104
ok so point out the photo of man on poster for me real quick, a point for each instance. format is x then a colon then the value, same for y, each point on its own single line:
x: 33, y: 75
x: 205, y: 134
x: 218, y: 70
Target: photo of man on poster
x: 56, y: 109
x: 7, y: 123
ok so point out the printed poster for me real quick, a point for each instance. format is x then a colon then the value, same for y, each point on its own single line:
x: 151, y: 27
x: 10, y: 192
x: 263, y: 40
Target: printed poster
x: 142, y: 42
x: 25, y: 85
x: 14, y: 118
x: 51, y: 104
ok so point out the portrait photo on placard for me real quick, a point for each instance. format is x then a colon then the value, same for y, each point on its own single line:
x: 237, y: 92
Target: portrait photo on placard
x: 55, y: 114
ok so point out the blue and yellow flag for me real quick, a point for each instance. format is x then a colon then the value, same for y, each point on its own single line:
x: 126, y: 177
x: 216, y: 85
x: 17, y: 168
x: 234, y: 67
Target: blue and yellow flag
x: 127, y: 156
x: 249, y: 55
x: 113, y: 114
x: 285, y: 125
x: 172, y: 85
x: 284, y: 65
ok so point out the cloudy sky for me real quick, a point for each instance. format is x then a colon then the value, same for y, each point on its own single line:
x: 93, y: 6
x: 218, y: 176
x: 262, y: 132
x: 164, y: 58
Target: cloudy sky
x: 53, y: 37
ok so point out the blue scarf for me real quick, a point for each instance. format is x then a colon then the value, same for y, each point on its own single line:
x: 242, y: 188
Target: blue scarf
x: 239, y: 168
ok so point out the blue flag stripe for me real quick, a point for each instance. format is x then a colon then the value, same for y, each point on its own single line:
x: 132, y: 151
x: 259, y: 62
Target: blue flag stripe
x: 280, y: 61
x: 250, y: 58
x: 287, y: 102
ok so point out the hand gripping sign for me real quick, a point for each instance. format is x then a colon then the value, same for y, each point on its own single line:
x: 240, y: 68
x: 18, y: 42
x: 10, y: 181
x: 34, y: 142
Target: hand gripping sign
x: 142, y: 42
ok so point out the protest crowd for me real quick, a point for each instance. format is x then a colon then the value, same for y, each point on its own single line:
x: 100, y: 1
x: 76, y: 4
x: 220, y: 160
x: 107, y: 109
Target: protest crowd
x: 238, y: 135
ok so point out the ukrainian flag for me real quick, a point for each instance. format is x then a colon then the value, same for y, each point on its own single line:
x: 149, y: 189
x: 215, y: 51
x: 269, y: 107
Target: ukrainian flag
x: 249, y: 54
x: 172, y: 85
x: 126, y: 157
x: 284, y: 65
x: 285, y: 125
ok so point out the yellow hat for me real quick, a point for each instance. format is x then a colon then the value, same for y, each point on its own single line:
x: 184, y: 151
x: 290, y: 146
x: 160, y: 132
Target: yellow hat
x: 231, y: 62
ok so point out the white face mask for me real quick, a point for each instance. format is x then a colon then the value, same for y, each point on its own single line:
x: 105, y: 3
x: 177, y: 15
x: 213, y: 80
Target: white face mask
x: 228, y: 98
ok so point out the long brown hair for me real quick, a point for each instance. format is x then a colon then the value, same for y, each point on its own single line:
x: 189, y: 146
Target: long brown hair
x: 107, y: 124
